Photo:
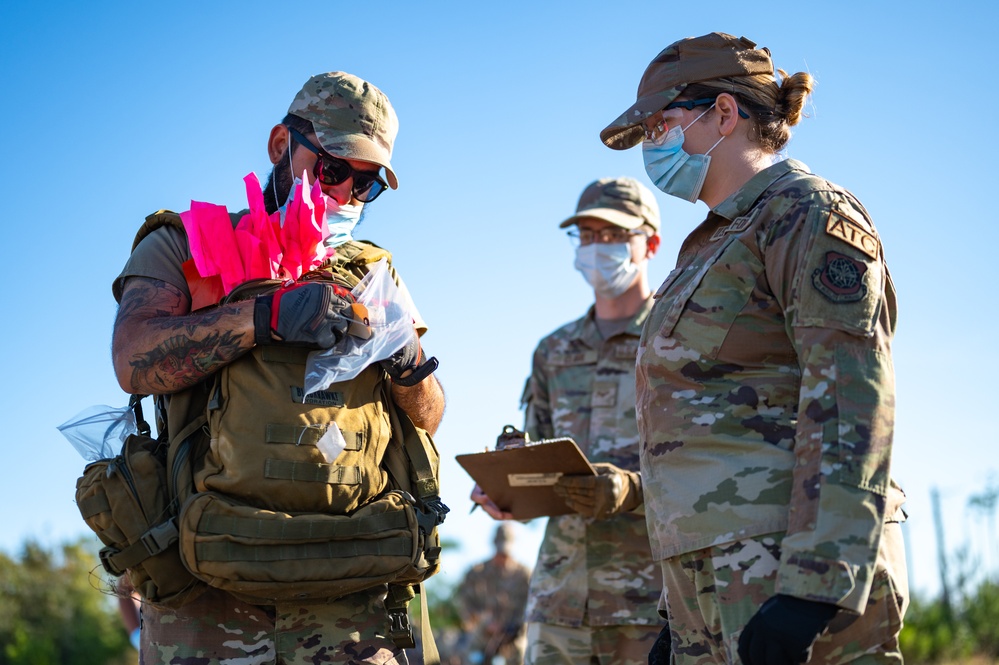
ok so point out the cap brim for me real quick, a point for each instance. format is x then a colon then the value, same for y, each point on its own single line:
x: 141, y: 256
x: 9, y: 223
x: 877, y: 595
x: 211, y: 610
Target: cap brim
x: 615, y: 217
x: 359, y: 147
x: 627, y: 131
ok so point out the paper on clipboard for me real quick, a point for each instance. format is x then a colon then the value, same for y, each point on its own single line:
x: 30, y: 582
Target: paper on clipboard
x: 520, y: 479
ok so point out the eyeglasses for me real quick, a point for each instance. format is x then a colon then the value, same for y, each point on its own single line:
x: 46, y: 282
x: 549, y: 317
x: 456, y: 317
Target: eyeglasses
x: 608, y: 236
x: 690, y: 104
x: 655, y: 126
x: 330, y: 170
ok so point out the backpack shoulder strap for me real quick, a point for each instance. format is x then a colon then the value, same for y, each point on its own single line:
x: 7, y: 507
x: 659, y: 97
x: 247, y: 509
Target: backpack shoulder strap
x: 353, y: 260
x: 164, y: 217
x: 156, y: 220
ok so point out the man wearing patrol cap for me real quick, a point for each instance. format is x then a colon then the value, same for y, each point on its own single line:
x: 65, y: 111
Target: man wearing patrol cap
x: 765, y: 388
x: 490, y: 602
x: 595, y: 586
x: 339, y: 130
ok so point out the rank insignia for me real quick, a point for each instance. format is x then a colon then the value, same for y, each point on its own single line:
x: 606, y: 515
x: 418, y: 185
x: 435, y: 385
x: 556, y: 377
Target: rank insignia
x: 840, y: 279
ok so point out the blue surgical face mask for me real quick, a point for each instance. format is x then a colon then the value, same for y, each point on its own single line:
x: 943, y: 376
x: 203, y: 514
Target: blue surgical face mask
x: 607, y: 267
x: 341, y: 220
x: 673, y: 170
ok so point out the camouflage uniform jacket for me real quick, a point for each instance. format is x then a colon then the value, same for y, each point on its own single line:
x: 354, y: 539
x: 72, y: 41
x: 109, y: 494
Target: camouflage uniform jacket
x: 765, y: 385
x: 591, y: 572
x: 491, y: 597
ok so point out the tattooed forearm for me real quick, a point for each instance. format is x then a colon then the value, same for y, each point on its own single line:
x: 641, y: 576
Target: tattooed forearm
x: 182, y: 361
x: 191, y: 324
x: 159, y: 346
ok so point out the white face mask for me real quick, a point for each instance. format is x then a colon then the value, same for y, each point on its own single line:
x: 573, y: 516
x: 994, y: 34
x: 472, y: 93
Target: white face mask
x: 608, y: 268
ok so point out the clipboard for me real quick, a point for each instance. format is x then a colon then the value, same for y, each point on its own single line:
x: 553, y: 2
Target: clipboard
x: 520, y: 479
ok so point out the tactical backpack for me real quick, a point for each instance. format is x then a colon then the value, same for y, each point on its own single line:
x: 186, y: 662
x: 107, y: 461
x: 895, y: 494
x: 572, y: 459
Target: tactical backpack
x: 250, y: 505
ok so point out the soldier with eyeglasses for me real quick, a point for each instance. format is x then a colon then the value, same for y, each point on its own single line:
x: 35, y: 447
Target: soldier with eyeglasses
x: 595, y: 587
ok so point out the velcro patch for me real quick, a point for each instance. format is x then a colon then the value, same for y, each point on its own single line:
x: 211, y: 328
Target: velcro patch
x: 840, y: 279
x: 842, y: 227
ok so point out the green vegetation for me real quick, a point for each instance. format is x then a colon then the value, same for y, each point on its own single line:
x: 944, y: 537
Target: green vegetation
x: 936, y: 633
x: 56, y: 608
x: 52, y: 612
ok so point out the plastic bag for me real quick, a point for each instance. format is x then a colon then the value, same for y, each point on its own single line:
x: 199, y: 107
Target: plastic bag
x: 98, y: 432
x: 391, y: 314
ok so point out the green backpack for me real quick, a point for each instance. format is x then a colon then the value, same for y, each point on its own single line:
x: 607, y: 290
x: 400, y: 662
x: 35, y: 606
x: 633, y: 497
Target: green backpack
x: 257, y: 510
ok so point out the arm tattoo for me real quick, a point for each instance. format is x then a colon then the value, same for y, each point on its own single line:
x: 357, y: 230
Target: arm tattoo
x: 190, y: 324
x: 181, y: 360
x: 167, y: 347
x: 138, y: 297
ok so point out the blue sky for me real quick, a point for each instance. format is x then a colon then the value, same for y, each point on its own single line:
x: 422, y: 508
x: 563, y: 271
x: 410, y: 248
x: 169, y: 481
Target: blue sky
x: 115, y: 109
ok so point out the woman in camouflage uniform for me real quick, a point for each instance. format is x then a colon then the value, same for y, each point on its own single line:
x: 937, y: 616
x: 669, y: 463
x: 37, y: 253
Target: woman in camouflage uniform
x: 765, y: 387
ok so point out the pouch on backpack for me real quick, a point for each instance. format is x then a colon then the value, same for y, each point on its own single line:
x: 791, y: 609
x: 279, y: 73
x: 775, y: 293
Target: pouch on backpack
x: 125, y: 501
x: 264, y: 556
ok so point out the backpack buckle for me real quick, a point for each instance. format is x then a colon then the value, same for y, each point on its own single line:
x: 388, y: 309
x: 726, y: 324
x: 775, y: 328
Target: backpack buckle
x: 400, y: 630
x: 105, y: 555
x: 160, y: 537
x: 438, y: 508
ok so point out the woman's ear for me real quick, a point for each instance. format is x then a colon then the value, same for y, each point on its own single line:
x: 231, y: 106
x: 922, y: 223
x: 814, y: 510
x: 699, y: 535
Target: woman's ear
x: 727, y: 110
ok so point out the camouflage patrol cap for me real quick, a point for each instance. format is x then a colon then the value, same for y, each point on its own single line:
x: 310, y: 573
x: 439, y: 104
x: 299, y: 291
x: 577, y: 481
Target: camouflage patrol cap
x: 503, y: 538
x: 352, y: 118
x: 621, y: 201
x: 687, y: 61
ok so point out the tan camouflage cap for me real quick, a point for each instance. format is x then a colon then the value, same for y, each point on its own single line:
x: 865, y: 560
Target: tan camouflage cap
x: 687, y: 61
x: 504, y: 537
x: 352, y: 118
x: 621, y: 201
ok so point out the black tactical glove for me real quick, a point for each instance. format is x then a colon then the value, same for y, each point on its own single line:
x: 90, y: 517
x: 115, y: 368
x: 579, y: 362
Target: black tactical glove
x: 409, y: 357
x: 312, y: 314
x: 782, y: 631
x: 613, y: 490
x: 659, y: 655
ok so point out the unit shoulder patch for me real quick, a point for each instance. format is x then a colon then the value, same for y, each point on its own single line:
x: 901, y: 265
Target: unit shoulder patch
x: 842, y: 227
x: 841, y: 278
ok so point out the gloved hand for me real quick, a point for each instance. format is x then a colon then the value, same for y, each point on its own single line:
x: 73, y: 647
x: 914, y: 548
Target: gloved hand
x: 659, y: 654
x: 409, y: 357
x: 783, y: 629
x: 613, y: 490
x: 313, y: 314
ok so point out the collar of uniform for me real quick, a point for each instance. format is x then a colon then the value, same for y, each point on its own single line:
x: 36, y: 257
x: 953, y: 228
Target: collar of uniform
x: 740, y: 202
x: 587, y: 329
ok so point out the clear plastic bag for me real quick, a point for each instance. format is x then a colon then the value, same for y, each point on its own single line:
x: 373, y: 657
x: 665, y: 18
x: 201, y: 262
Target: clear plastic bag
x: 98, y: 432
x: 390, y: 315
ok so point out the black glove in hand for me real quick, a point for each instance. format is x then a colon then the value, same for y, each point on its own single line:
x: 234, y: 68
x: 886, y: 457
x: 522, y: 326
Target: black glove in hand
x: 313, y: 314
x: 613, y: 490
x: 782, y: 631
x: 659, y: 655
x: 409, y: 357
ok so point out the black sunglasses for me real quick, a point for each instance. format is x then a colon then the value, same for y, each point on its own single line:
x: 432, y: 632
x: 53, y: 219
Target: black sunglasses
x: 330, y: 170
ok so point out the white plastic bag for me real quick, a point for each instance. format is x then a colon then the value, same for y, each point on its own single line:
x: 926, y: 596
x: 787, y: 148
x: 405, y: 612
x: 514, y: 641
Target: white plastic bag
x: 390, y: 315
x: 98, y: 432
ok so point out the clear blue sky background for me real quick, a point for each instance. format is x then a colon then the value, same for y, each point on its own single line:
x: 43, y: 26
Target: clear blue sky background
x: 116, y: 109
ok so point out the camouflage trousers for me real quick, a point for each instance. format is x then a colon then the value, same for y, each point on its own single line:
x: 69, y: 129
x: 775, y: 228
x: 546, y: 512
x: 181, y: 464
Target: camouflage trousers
x: 712, y: 593
x: 548, y: 644
x: 217, y: 629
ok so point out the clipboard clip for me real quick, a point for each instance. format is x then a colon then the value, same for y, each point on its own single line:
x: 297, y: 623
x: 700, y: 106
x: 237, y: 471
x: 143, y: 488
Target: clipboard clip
x: 511, y: 437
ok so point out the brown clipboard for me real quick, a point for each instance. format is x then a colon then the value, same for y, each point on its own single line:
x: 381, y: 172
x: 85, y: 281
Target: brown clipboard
x: 520, y: 479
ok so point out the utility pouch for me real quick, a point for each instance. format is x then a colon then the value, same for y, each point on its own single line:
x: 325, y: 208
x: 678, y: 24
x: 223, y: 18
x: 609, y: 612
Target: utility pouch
x: 125, y: 500
x: 264, y: 556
